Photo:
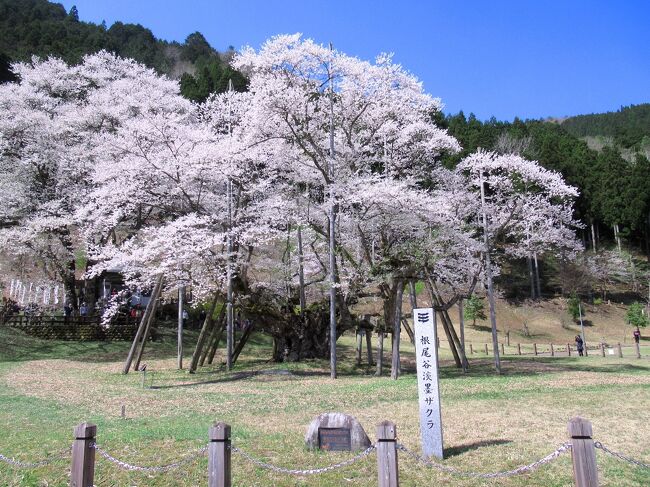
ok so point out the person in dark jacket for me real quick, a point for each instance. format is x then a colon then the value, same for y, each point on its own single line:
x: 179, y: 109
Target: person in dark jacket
x: 579, y: 344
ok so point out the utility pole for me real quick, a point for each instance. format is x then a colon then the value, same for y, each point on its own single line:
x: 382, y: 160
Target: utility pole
x: 488, y: 275
x: 181, y: 309
x: 332, y: 229
x: 229, y: 311
x: 582, y: 326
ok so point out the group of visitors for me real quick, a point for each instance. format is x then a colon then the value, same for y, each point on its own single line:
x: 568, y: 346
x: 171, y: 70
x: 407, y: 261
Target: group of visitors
x: 580, y: 344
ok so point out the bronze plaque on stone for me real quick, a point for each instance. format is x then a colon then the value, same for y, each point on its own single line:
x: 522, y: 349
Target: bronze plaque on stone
x: 334, y: 439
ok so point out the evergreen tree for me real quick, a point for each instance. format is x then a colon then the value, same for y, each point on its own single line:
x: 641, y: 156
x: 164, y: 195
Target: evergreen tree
x: 474, y: 309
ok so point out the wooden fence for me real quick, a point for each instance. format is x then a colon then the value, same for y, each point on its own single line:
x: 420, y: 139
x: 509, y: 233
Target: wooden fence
x: 552, y: 350
x: 219, y: 450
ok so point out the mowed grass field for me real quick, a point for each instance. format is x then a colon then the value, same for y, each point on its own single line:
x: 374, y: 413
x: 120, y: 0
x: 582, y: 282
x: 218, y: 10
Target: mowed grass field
x: 491, y: 423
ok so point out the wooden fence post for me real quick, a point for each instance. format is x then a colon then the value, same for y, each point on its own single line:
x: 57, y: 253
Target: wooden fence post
x: 602, y: 349
x: 471, y: 349
x: 219, y: 456
x: 387, y: 468
x: 620, y: 350
x: 82, y: 472
x: 503, y: 351
x: 568, y: 349
x: 518, y: 348
x: 486, y: 350
x: 552, y: 351
x: 508, y: 338
x: 535, y: 348
x: 583, y: 453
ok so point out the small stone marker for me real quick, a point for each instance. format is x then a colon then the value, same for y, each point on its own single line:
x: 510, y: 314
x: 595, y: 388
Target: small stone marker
x: 336, y: 432
x: 428, y: 390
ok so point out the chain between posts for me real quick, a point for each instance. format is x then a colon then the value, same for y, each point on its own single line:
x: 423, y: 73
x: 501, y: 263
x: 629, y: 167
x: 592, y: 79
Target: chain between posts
x: 310, y: 471
x: 11, y: 461
x: 159, y: 469
x: 620, y: 456
x: 491, y: 475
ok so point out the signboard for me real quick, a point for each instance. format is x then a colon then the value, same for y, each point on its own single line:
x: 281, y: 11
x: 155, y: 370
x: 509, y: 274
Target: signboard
x: 334, y: 439
x: 424, y: 320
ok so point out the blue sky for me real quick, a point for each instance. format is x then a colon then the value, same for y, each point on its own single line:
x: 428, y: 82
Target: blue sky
x: 505, y: 58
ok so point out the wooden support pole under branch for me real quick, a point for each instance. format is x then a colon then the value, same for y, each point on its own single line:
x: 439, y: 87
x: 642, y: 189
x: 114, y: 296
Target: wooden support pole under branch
x: 141, y: 328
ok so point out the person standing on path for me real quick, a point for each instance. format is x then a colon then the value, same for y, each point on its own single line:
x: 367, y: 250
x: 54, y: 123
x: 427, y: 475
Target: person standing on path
x: 579, y: 345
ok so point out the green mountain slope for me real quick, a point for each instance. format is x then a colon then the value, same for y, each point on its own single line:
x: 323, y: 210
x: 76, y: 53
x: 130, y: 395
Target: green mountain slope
x: 41, y: 28
x: 627, y: 128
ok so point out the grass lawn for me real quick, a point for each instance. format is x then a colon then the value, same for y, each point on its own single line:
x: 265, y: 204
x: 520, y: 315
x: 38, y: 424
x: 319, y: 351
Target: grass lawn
x: 490, y: 423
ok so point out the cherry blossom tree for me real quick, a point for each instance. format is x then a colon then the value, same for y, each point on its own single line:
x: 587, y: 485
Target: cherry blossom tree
x: 47, y: 152
x: 328, y: 121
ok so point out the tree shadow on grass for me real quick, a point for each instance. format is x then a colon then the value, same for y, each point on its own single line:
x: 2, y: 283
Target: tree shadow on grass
x: 460, y: 449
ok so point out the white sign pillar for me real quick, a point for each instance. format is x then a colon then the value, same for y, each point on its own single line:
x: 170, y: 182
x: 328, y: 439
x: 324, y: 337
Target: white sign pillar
x: 424, y: 320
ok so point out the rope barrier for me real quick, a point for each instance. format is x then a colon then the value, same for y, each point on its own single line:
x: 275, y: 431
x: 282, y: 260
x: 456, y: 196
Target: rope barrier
x: 491, y: 475
x: 157, y: 469
x: 310, y: 471
x: 17, y: 463
x: 620, y: 456
x: 345, y: 463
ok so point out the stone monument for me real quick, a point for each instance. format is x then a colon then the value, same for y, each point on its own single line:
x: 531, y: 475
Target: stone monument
x: 336, y: 432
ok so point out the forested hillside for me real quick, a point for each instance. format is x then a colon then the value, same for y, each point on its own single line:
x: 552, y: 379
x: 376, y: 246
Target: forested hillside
x: 614, y: 192
x: 628, y: 126
x: 41, y: 28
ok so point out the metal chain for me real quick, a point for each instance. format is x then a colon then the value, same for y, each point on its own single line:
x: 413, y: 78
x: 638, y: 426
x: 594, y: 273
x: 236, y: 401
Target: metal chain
x: 492, y: 475
x: 620, y: 456
x: 11, y: 461
x: 160, y: 469
x: 310, y: 471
